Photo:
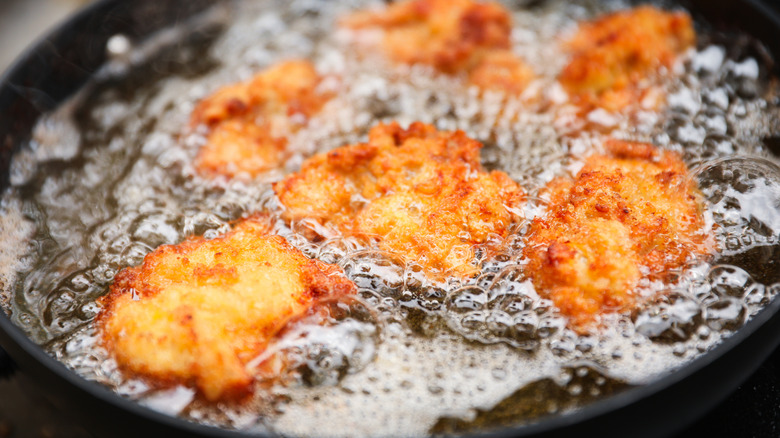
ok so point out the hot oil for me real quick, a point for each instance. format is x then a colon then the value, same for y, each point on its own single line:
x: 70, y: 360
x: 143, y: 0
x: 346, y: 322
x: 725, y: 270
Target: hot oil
x: 109, y: 178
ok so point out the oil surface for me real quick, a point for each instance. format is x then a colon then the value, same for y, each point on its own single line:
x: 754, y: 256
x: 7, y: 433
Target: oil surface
x: 109, y: 177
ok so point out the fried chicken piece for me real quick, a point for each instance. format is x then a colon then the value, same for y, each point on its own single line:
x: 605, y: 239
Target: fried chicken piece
x: 419, y: 192
x: 195, y: 313
x: 625, y: 216
x: 249, y: 122
x: 449, y: 35
x: 452, y: 36
x: 501, y: 70
x: 612, y: 55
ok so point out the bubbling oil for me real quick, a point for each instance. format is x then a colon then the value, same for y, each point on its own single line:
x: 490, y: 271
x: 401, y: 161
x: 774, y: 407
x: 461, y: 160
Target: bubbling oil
x: 109, y: 177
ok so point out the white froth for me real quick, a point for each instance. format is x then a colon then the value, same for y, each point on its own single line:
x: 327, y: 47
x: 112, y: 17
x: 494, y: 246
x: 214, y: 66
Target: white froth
x: 747, y: 68
x: 414, y: 382
x: 478, y: 341
x: 709, y: 59
x: 15, y: 233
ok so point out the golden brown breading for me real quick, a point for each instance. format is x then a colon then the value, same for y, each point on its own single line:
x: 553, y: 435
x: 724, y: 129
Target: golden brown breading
x: 626, y: 215
x: 419, y: 192
x: 249, y: 122
x: 501, y: 70
x: 452, y: 36
x: 195, y: 313
x: 613, y: 54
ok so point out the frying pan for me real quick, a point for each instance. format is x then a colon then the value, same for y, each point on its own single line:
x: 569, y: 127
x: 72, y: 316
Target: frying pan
x: 59, y: 65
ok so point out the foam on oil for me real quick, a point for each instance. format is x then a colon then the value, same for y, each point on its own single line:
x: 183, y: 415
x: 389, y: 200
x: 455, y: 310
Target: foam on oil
x: 108, y: 178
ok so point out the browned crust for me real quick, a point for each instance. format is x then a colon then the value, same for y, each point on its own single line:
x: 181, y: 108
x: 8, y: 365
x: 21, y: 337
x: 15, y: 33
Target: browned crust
x: 613, y: 54
x: 626, y: 215
x: 501, y: 70
x: 452, y: 36
x: 248, y: 123
x: 418, y: 192
x: 197, y: 312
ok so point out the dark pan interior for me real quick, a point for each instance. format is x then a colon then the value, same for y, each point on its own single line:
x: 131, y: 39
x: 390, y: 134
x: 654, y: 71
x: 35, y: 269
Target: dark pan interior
x: 56, y: 67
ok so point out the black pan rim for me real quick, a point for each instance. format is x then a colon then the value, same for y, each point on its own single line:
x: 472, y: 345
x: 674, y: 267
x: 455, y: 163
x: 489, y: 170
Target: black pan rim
x: 19, y: 344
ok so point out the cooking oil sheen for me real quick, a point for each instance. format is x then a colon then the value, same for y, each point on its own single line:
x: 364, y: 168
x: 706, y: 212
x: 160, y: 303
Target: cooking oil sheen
x: 109, y: 177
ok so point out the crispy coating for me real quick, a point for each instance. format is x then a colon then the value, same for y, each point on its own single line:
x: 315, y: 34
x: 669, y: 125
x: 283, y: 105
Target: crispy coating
x: 452, y: 36
x: 249, y: 122
x: 195, y: 313
x: 501, y: 70
x: 626, y: 215
x: 418, y: 192
x: 612, y: 55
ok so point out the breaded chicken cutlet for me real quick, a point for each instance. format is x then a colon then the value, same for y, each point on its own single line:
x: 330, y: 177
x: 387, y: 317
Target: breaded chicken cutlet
x: 248, y: 123
x: 452, y: 36
x: 626, y: 215
x: 613, y: 54
x: 196, y: 313
x: 418, y: 192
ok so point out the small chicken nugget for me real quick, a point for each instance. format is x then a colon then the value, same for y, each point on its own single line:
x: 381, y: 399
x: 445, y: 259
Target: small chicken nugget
x: 249, y: 122
x: 626, y: 215
x: 449, y: 35
x: 452, y: 36
x: 501, y: 70
x: 419, y: 192
x: 196, y: 313
x: 614, y: 53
